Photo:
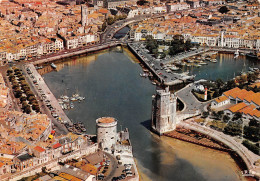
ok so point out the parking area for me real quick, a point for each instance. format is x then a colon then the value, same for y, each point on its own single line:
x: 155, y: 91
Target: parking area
x: 165, y: 72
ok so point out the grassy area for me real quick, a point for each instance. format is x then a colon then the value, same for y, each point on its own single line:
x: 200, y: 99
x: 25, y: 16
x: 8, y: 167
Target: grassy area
x: 217, y: 124
x: 200, y: 120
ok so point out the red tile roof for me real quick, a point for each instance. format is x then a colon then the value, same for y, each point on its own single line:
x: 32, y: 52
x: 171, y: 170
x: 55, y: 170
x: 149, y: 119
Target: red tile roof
x: 237, y: 107
x: 39, y: 149
x: 57, y: 145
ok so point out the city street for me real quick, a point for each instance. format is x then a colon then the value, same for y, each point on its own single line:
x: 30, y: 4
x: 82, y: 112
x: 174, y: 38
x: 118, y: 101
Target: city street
x: 191, y: 103
x: 42, y: 89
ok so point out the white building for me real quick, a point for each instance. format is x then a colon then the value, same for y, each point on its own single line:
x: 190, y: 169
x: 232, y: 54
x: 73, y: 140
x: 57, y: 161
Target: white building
x: 171, y: 7
x: 220, y: 101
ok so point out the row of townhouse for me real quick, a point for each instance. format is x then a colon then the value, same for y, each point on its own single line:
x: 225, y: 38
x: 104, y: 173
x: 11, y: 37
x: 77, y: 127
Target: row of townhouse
x: 37, y: 155
x: 47, y: 46
x: 171, y: 7
x: 234, y: 41
x: 80, y: 40
x: 221, y: 40
x: 43, y: 47
x: 168, y: 7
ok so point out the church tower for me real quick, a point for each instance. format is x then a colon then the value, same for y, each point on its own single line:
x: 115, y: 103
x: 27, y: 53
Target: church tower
x: 164, y: 111
x: 84, y: 15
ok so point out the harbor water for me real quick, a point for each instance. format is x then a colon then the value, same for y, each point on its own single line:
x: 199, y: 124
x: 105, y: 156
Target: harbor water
x: 111, y: 83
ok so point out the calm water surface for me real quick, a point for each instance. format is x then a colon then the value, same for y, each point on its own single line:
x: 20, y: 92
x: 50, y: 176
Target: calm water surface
x: 112, y: 86
x: 226, y: 68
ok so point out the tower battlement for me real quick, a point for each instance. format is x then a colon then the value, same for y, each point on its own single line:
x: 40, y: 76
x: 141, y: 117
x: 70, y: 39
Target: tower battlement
x: 164, y: 111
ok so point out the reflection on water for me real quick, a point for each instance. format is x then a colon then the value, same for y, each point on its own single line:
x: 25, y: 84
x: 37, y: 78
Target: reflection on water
x: 112, y: 86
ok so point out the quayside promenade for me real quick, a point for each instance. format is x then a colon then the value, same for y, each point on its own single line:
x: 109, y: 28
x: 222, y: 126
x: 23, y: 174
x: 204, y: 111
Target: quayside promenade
x: 156, y: 68
x: 48, y: 98
x: 247, y: 156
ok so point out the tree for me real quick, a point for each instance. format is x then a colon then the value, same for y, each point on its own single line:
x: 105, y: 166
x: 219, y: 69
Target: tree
x: 223, y: 10
x: 171, y: 51
x: 226, y: 118
x: 188, y: 45
x: 155, y: 52
x: 209, y: 96
x: 220, y: 113
x: 238, y: 115
x: 22, y: 99
x: 29, y: 93
x: 18, y: 94
x: 24, y: 104
x: 15, y: 86
x: 44, y: 169
x: 254, y: 122
x: 178, y: 37
x: 30, y: 98
x: 205, y: 114
x: 28, y: 110
x: 110, y: 20
x: 104, y: 25
x: 233, y: 129
x: 16, y: 69
x: 11, y: 76
x: 219, y: 83
x: 252, y: 133
x: 26, y: 88
x: 252, y: 147
x: 9, y: 71
x: 230, y: 84
x: 251, y: 78
x: 142, y: 2
x: 216, y: 93
x: 21, y: 78
x: 36, y: 107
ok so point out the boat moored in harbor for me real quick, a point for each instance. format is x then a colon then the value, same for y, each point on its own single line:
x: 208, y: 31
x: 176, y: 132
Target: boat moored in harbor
x: 53, y: 65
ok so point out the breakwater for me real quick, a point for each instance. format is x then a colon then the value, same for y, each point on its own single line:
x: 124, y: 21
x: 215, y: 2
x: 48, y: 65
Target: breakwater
x: 250, y: 159
x: 196, y: 138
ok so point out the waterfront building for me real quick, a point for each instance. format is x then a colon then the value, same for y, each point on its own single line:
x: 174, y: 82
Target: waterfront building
x: 240, y: 100
x: 164, y: 111
x: 106, y: 133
